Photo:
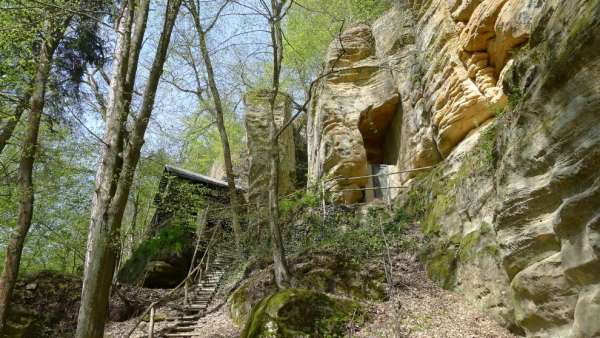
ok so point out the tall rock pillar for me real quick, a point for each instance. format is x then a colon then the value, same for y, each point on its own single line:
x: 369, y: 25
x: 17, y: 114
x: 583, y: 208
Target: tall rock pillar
x: 257, y: 130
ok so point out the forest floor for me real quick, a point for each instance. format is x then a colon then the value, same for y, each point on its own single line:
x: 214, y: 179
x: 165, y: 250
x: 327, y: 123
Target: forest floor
x: 418, y: 308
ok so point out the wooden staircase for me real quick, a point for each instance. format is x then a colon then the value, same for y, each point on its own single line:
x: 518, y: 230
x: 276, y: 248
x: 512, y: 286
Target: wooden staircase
x: 200, y: 298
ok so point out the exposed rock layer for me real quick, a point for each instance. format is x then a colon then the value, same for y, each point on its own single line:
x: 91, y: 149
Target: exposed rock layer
x: 504, y: 95
x: 258, y: 110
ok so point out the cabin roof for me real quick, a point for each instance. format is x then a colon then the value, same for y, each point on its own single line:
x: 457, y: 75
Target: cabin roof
x: 195, y: 177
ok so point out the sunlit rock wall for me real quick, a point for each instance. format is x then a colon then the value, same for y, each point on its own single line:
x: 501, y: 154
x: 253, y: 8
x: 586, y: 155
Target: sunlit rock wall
x: 503, y: 96
x: 258, y: 110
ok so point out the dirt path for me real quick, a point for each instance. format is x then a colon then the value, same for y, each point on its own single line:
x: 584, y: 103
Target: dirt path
x: 422, y: 309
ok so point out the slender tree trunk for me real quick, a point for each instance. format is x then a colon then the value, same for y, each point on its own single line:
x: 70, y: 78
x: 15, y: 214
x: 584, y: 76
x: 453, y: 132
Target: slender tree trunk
x: 282, y: 275
x: 100, y: 252
x: 219, y: 113
x: 134, y: 221
x: 136, y: 139
x: 9, y: 127
x: 113, y: 182
x: 14, y: 248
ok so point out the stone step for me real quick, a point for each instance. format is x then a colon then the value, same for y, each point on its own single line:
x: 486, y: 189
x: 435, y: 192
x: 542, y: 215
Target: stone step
x: 199, y: 303
x: 187, y: 334
x: 190, y: 328
x: 184, y: 318
x: 200, y: 300
x: 193, y: 317
x: 184, y: 328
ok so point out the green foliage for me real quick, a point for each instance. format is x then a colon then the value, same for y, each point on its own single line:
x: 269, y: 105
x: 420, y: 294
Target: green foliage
x: 298, y: 202
x: 356, y: 237
x: 202, y: 142
x: 140, y: 206
x: 514, y: 98
x: 63, y: 189
x: 312, y: 25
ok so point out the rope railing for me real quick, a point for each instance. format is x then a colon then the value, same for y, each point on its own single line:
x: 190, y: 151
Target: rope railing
x: 321, y: 185
x: 341, y: 178
x: 373, y: 188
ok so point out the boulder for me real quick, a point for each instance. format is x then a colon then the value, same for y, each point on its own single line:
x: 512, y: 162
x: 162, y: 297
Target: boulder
x: 301, y: 313
x: 322, y: 272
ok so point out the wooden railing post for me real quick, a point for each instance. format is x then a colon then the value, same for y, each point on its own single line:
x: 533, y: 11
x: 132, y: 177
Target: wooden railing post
x: 151, y: 326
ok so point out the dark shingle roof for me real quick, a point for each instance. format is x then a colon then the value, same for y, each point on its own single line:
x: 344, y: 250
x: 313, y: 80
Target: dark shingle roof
x: 195, y: 177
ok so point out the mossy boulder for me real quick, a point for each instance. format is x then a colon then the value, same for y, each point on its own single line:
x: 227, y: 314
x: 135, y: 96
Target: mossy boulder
x: 161, y: 261
x: 322, y: 271
x: 301, y: 313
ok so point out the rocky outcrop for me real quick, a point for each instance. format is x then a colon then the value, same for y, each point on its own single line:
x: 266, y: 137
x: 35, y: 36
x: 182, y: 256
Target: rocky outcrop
x: 503, y: 96
x: 301, y: 313
x: 324, y: 272
x: 353, y: 106
x: 258, y: 110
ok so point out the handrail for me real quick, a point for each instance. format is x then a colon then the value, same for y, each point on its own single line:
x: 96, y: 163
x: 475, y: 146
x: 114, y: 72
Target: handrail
x: 157, y: 302
x: 340, y: 178
x: 372, y: 188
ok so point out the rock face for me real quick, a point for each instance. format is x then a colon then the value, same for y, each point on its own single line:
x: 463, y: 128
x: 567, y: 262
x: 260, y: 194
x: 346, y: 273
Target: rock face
x: 502, y: 96
x: 350, y: 113
x: 258, y: 110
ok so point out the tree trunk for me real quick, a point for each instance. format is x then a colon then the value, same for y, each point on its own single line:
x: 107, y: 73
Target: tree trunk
x: 9, y: 127
x: 101, y: 245
x: 219, y: 113
x: 133, y: 226
x: 114, y: 181
x: 282, y: 275
x: 14, y: 247
x: 136, y: 139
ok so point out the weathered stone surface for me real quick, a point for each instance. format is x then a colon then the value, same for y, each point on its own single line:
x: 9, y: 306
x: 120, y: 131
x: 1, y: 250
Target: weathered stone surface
x: 513, y: 211
x: 462, y: 9
x: 351, y: 112
x: 300, y: 313
x: 258, y: 110
x: 544, y: 300
x: 586, y: 313
x: 322, y: 272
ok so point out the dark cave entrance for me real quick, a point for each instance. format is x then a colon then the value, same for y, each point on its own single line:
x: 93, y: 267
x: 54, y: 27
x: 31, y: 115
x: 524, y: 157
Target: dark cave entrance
x: 380, y: 128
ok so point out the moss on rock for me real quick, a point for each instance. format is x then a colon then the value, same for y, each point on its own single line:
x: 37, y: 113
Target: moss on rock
x: 322, y: 272
x: 441, y: 263
x: 301, y: 313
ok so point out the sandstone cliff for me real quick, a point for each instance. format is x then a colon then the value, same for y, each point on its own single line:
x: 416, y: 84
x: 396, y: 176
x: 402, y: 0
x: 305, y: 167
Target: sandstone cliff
x: 502, y: 96
x: 257, y: 134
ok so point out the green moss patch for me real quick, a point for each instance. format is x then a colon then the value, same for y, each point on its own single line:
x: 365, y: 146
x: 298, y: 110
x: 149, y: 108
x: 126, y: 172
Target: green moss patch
x: 301, y: 313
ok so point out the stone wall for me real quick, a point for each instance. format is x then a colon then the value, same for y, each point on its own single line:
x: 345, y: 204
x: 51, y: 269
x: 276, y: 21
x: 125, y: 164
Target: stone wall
x: 258, y: 109
x: 503, y: 96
